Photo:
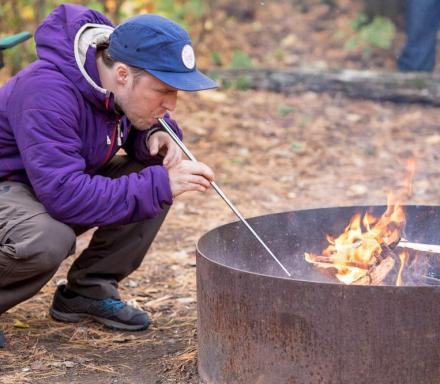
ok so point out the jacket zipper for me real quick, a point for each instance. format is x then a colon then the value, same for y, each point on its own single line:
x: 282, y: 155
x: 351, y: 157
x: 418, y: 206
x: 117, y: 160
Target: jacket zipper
x: 110, y: 142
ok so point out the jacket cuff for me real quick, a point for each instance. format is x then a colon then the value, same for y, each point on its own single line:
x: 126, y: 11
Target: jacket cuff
x: 151, y: 131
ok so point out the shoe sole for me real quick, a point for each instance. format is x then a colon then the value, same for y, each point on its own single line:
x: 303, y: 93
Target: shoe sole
x: 77, y: 317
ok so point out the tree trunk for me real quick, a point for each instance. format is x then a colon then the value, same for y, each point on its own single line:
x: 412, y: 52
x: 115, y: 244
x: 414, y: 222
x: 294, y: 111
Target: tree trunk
x: 40, y: 11
x: 392, y: 86
x: 20, y: 54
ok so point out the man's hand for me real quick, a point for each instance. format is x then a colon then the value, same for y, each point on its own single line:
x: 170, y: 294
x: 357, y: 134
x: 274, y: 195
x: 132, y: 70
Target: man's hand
x: 189, y: 176
x: 161, y: 143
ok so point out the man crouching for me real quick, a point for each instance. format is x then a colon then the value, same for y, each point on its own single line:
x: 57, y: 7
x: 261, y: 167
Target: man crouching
x: 93, y: 90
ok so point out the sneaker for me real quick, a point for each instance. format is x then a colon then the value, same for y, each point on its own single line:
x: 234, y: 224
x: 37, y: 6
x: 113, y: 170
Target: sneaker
x: 114, y: 313
x: 2, y: 340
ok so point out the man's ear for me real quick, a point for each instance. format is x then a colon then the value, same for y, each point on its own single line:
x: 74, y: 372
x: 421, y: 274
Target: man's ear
x: 122, y: 74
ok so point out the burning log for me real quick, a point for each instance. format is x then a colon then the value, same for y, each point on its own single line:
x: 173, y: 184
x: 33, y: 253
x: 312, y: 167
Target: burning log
x: 374, y: 274
x: 377, y: 273
x: 370, y: 247
x: 328, y: 262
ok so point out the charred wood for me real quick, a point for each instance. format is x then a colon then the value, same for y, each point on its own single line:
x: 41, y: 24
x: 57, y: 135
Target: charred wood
x: 377, y: 273
x: 331, y: 262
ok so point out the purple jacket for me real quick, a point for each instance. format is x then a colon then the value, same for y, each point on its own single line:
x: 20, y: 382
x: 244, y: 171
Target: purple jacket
x: 58, y: 126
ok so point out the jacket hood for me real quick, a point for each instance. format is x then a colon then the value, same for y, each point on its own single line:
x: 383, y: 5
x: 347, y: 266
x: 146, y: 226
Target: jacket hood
x: 67, y: 38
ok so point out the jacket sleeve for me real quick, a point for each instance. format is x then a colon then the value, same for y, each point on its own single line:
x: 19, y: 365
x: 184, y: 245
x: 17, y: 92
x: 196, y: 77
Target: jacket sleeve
x: 50, y: 148
x: 136, y: 145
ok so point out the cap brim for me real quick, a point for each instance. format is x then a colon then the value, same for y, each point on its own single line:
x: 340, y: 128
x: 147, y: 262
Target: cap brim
x: 185, y: 81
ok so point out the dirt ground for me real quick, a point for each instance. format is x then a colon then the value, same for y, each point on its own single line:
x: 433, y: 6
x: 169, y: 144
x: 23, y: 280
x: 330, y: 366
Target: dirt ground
x: 271, y: 153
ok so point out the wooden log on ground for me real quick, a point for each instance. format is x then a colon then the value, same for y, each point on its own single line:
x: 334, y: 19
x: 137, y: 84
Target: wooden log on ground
x: 412, y: 87
x: 393, y: 9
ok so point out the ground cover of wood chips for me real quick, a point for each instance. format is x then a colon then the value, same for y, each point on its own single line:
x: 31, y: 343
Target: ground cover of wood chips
x: 271, y: 153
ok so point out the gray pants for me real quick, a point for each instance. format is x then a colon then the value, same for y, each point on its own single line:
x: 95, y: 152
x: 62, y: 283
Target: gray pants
x: 33, y: 245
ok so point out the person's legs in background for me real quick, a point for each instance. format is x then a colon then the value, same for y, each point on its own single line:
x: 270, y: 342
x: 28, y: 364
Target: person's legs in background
x: 422, y: 23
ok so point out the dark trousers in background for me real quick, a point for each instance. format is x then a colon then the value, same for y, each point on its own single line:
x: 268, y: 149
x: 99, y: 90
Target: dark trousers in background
x: 33, y: 245
x: 422, y: 23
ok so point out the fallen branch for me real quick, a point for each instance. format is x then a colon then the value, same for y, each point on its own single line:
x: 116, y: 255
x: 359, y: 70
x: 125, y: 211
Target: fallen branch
x: 392, y: 86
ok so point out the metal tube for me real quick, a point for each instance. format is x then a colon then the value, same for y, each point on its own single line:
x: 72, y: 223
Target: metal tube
x: 216, y: 188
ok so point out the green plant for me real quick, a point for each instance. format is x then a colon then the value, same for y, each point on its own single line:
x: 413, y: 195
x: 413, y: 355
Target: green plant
x: 285, y: 110
x: 359, y: 21
x: 96, y: 5
x: 183, y: 12
x: 243, y: 83
x: 279, y: 53
x: 378, y: 33
x: 305, y: 121
x: 297, y: 147
x: 240, y: 60
x: 216, y: 58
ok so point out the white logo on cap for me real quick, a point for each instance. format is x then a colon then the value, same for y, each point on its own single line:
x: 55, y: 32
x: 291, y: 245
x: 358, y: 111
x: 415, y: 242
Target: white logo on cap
x: 188, y: 58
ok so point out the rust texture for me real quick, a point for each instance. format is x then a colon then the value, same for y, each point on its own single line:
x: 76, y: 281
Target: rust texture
x: 257, y: 326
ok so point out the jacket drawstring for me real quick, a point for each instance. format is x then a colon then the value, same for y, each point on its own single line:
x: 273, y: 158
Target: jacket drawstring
x: 120, y: 134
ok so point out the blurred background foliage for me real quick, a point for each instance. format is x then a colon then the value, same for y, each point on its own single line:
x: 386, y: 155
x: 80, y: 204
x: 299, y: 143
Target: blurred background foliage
x: 372, y: 29
x: 25, y: 15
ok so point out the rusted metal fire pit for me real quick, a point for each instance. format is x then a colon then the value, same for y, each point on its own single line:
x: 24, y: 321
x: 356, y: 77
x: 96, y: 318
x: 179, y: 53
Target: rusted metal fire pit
x: 255, y: 326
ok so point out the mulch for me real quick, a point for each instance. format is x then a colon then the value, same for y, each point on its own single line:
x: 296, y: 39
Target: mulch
x: 271, y: 153
x: 326, y: 151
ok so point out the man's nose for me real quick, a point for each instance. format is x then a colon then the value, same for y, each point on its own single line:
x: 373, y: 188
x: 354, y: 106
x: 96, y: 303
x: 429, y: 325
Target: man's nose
x: 170, y: 101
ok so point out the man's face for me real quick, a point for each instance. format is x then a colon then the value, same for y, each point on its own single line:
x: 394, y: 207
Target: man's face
x: 146, y: 101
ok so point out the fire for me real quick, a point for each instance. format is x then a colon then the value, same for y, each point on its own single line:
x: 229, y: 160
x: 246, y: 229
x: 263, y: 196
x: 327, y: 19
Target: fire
x: 403, y: 258
x: 359, y: 246
x: 367, y: 242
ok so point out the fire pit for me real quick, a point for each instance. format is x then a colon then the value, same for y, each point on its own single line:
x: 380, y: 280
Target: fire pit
x: 255, y: 325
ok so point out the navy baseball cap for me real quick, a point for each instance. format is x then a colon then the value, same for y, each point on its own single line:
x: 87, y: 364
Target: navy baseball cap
x: 162, y: 48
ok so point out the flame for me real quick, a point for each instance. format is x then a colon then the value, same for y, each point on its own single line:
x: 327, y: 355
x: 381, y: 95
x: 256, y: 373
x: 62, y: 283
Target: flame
x: 359, y: 247
x: 403, y: 256
x: 409, y: 175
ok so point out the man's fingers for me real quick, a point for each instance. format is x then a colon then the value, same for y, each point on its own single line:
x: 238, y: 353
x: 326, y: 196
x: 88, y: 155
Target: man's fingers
x: 206, y: 172
x: 172, y: 157
x: 202, y: 170
x: 196, y: 187
x: 198, y: 180
x: 168, y: 160
x: 190, y: 176
x: 154, y: 146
